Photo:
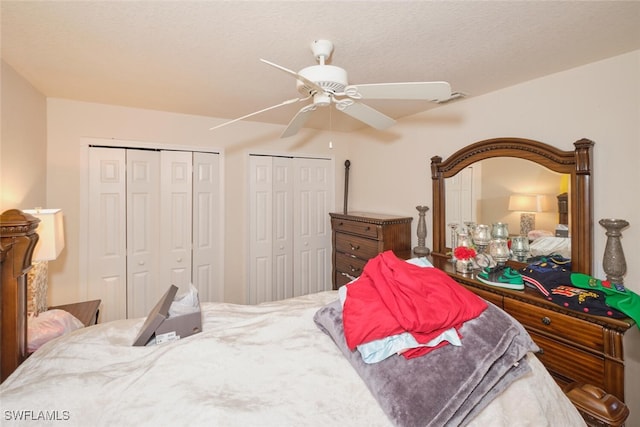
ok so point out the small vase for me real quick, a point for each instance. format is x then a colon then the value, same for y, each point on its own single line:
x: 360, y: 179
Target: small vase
x: 464, y: 266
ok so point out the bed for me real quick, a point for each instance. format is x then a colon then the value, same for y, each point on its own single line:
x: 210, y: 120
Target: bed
x: 545, y: 242
x: 282, y: 363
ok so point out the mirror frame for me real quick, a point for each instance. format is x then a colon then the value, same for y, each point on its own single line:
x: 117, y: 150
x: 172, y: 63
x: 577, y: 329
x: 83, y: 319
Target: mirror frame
x: 576, y: 163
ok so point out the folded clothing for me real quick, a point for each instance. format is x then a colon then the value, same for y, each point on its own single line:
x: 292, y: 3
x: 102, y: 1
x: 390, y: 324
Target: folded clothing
x: 556, y: 282
x: 393, y: 296
x: 501, y: 276
x: 616, y: 295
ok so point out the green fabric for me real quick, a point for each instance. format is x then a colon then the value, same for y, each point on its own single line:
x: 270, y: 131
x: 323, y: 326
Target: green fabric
x: 616, y: 296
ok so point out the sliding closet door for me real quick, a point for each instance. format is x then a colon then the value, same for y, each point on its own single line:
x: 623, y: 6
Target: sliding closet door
x: 260, y: 229
x: 289, y: 228
x: 153, y: 221
x: 143, y: 231
x: 107, y: 264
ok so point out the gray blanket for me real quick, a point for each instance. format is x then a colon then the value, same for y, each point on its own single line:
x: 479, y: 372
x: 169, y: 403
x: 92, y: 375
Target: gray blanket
x: 447, y: 387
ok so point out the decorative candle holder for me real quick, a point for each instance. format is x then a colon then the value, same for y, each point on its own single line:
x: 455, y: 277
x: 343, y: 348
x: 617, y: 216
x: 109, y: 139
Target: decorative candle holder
x: 464, y: 240
x: 421, y: 249
x: 481, y: 237
x: 500, y: 230
x: 613, y: 262
x: 454, y: 238
x: 520, y: 247
x: 499, y: 250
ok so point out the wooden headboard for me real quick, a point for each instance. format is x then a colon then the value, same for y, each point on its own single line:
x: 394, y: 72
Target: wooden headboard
x: 18, y: 238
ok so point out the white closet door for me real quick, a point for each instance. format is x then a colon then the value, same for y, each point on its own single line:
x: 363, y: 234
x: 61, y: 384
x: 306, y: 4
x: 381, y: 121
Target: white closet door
x: 175, y: 219
x: 282, y: 232
x: 289, y: 227
x: 312, y: 226
x: 207, y: 248
x: 107, y: 266
x: 143, y: 231
x: 260, y: 229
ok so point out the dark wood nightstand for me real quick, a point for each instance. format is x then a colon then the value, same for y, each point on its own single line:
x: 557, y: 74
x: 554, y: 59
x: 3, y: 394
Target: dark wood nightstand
x: 87, y: 312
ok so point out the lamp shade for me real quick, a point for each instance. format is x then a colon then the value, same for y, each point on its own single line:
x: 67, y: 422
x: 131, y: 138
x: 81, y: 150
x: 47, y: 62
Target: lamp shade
x: 51, y: 233
x: 525, y: 203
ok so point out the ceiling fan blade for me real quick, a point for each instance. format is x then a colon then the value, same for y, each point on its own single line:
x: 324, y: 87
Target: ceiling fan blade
x: 364, y: 113
x: 303, y: 79
x: 298, y: 120
x: 287, y: 102
x: 430, y: 91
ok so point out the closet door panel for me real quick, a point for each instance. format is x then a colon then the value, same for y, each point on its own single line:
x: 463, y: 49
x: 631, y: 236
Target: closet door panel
x: 207, y: 252
x: 176, y: 183
x: 260, y: 229
x: 143, y: 231
x: 312, y: 226
x: 107, y: 267
x: 282, y: 250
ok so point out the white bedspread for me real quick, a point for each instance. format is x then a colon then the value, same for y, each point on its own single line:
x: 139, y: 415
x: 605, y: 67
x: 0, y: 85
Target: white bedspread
x: 265, y: 365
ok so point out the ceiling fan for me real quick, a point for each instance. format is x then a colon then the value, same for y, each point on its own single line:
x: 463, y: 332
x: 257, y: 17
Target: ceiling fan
x: 326, y: 84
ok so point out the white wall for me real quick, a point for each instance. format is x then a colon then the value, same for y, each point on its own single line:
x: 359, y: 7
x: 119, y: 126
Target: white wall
x: 23, y: 144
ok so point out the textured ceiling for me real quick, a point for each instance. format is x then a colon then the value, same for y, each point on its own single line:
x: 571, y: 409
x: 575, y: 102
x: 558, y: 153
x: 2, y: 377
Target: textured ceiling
x: 202, y: 57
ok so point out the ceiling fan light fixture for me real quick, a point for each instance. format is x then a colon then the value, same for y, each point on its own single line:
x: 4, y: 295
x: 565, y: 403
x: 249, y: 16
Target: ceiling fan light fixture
x: 328, y: 77
x: 322, y: 99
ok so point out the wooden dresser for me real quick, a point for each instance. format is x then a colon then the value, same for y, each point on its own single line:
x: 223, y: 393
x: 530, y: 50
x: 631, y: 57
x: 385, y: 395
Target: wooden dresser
x: 573, y: 346
x: 359, y: 236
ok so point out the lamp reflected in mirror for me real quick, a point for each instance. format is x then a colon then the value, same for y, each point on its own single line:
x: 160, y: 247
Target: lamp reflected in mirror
x: 528, y: 205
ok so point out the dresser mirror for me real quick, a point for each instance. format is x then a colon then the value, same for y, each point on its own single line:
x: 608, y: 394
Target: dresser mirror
x: 501, y: 167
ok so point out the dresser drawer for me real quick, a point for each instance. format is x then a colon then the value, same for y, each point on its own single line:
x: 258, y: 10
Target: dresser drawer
x: 350, y: 265
x: 357, y: 246
x: 572, y: 329
x: 570, y: 363
x: 355, y: 227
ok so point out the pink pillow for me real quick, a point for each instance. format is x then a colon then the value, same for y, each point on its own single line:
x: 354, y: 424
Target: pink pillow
x: 49, y: 325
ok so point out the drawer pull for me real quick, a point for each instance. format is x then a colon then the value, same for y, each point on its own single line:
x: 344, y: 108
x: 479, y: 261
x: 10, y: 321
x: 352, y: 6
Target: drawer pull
x: 541, y: 352
x: 353, y: 269
x: 546, y: 320
x: 350, y: 277
x: 354, y: 247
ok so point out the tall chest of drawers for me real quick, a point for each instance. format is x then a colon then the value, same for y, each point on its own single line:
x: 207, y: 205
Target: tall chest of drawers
x: 359, y: 236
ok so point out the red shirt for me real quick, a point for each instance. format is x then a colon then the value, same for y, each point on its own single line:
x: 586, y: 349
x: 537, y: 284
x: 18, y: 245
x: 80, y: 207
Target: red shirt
x: 393, y: 296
